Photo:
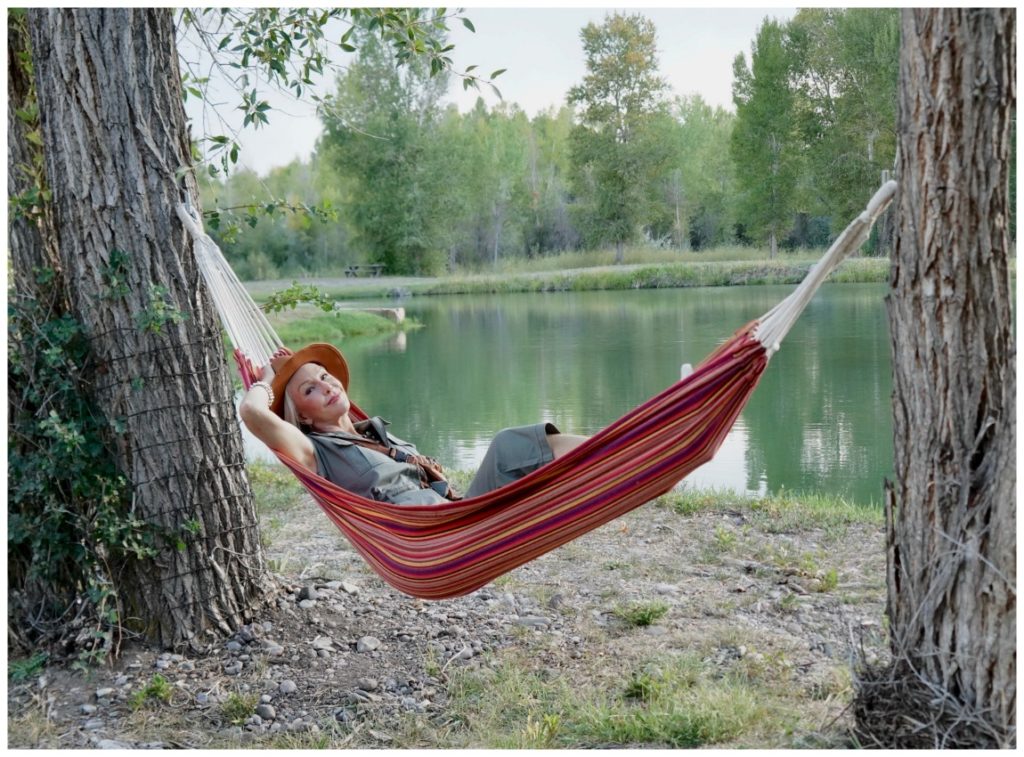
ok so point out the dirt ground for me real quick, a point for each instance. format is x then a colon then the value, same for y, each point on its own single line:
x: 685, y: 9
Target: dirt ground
x: 339, y: 659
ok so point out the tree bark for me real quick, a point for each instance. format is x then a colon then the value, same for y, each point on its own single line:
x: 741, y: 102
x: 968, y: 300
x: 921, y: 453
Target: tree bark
x: 951, y: 510
x: 115, y: 137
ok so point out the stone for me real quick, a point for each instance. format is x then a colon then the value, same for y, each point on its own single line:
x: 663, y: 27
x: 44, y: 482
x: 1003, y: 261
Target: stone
x: 89, y: 709
x: 323, y: 642
x: 93, y: 724
x: 349, y: 588
x: 368, y: 684
x: 233, y: 668
x: 233, y: 646
x: 105, y: 693
x: 307, y: 604
x: 111, y: 744
x: 532, y: 621
x: 367, y: 644
x: 266, y: 712
x: 287, y: 687
x: 309, y: 592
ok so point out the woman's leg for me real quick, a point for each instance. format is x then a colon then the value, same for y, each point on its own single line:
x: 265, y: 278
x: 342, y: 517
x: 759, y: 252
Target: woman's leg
x: 564, y: 443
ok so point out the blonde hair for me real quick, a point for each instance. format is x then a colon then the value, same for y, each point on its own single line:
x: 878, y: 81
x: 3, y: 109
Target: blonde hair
x: 291, y: 414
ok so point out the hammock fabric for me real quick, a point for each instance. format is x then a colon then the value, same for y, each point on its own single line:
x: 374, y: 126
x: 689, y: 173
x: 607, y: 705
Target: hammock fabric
x: 450, y: 549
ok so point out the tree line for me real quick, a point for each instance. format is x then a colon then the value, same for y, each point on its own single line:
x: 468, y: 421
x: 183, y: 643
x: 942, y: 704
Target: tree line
x: 422, y: 188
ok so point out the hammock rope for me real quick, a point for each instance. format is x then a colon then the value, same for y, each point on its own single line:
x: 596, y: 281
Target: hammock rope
x: 449, y: 549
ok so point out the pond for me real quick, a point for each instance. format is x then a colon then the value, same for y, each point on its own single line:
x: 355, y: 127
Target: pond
x: 820, y: 420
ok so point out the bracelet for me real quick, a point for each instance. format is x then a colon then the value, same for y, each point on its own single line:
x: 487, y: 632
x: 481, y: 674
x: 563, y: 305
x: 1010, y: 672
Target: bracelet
x: 270, y: 391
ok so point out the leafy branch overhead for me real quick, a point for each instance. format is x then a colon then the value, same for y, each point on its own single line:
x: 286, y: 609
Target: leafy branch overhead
x: 288, y: 48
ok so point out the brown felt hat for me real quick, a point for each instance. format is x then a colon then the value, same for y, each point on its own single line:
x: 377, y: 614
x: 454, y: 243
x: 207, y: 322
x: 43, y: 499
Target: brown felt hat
x: 323, y: 354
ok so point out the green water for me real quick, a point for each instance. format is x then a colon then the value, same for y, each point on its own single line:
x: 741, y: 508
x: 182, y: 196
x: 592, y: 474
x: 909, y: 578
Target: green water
x: 818, y: 422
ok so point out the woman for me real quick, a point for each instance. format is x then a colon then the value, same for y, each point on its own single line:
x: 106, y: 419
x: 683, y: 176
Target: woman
x: 300, y: 407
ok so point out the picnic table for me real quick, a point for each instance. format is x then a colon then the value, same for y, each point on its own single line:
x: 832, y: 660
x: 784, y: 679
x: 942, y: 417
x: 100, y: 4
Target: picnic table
x: 369, y: 269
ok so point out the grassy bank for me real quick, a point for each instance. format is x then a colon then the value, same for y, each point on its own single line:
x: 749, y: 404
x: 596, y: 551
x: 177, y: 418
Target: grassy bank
x: 649, y: 275
x: 671, y: 275
x: 307, y: 324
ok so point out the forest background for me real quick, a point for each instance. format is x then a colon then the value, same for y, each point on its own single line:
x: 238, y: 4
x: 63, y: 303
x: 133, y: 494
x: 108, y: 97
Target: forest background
x: 399, y: 179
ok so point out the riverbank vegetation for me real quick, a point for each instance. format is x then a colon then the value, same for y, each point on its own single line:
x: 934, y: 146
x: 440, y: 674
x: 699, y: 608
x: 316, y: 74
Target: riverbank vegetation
x: 493, y: 188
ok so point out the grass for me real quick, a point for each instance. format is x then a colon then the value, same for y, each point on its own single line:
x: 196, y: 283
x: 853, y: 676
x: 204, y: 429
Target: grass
x: 307, y: 324
x: 157, y: 691
x: 642, y: 614
x: 237, y: 708
x: 780, y: 513
x: 27, y: 667
x: 642, y: 268
x: 670, y: 701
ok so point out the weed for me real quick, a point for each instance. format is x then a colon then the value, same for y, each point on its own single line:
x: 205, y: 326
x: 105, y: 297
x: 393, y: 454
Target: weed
x: 642, y: 614
x: 830, y: 580
x: 789, y: 603
x: 541, y: 734
x: 725, y: 539
x: 157, y: 690
x: 237, y: 708
x: 22, y: 670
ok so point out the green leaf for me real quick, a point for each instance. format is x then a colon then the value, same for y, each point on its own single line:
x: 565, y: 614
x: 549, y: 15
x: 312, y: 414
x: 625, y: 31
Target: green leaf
x: 498, y: 73
x: 469, y: 25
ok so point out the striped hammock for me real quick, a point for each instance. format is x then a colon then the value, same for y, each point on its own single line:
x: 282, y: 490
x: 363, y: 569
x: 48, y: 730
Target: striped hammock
x: 453, y: 548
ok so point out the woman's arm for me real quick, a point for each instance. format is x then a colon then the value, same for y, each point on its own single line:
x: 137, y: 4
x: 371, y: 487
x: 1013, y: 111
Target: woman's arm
x: 270, y: 429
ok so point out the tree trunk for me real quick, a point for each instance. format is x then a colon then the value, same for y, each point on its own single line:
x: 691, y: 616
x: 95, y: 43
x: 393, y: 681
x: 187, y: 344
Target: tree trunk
x: 30, y: 234
x: 951, y: 510
x: 114, y: 137
x: 620, y: 252
x: 773, y: 245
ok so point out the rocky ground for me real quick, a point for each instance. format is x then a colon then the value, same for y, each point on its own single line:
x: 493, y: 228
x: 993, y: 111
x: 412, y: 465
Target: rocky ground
x: 338, y: 659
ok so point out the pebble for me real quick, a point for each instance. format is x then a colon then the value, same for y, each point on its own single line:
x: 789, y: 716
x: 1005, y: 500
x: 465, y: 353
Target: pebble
x: 111, y: 744
x: 202, y: 699
x: 93, y: 724
x: 266, y: 699
x: 532, y: 621
x: 307, y: 604
x: 368, y: 684
x: 323, y: 642
x: 287, y: 687
x: 309, y: 592
x: 105, y: 693
x: 349, y: 588
x: 89, y: 709
x: 266, y: 711
x: 273, y: 648
x: 367, y: 644
x: 233, y: 646
x: 233, y: 669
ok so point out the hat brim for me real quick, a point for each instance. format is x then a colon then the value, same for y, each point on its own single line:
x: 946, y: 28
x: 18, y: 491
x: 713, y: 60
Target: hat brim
x: 321, y: 353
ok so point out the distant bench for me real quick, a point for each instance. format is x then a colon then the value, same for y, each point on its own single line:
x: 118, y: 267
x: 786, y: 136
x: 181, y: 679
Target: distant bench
x: 370, y: 269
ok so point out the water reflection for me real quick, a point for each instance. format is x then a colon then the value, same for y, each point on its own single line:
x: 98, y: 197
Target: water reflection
x: 820, y: 421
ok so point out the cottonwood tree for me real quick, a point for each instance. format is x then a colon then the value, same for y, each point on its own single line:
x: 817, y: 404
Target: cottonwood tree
x: 950, y: 512
x: 614, y: 155
x: 98, y: 167
x: 764, y: 146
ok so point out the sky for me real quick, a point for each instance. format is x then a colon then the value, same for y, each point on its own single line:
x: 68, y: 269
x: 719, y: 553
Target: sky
x: 540, y: 49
